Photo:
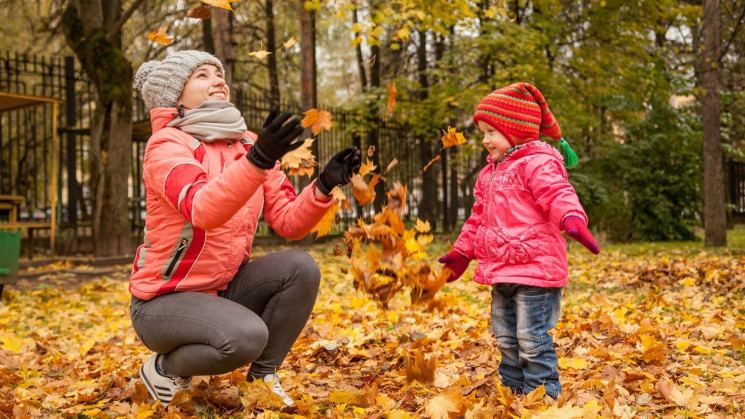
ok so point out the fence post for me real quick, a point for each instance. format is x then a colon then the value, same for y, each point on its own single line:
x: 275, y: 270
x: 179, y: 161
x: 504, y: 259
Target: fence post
x: 71, y: 155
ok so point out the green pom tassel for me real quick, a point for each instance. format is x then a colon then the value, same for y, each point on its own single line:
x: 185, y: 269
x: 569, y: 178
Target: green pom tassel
x: 570, y: 157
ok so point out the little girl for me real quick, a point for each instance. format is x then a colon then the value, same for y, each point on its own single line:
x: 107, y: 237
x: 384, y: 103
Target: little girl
x: 523, y: 201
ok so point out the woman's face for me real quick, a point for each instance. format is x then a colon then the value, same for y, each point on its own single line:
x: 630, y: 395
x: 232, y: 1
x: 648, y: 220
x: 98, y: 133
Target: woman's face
x: 494, y: 142
x: 205, y: 83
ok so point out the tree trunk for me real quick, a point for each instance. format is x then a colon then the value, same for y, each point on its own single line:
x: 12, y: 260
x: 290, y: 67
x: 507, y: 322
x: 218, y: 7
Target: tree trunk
x: 224, y: 50
x: 93, y: 31
x: 373, y: 133
x: 358, y: 50
x: 271, y: 46
x: 715, y: 216
x: 307, y: 71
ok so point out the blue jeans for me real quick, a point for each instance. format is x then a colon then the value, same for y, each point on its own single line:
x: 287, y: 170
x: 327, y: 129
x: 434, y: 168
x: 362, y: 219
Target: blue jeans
x: 521, y: 317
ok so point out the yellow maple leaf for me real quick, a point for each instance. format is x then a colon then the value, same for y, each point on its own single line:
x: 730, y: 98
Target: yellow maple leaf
x: 159, y: 36
x: 317, y: 120
x: 260, y: 54
x: 422, y: 226
x: 367, y: 167
x: 392, y: 92
x: 452, y: 138
x: 300, y: 161
x: 327, y: 221
x: 288, y: 43
x: 223, y: 4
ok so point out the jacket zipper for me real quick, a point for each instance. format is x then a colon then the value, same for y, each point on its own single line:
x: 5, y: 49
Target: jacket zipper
x: 184, y: 242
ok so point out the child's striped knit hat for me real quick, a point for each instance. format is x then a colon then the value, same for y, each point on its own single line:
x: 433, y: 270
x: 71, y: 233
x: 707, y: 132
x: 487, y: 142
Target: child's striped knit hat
x: 521, y: 114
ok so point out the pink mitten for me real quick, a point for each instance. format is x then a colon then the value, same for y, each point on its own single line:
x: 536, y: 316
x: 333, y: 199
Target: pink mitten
x: 576, y: 229
x: 456, y: 262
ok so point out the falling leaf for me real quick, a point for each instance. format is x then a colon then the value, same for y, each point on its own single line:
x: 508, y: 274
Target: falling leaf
x: 261, y: 54
x: 300, y: 161
x: 364, y: 191
x: 437, y: 157
x: 200, y: 12
x: 223, y: 4
x: 452, y: 138
x: 159, y: 36
x: 391, y: 165
x: 392, y: 92
x: 420, y: 367
x: 370, y: 151
x: 367, y: 167
x: 289, y: 43
x: 327, y: 221
x: 317, y: 120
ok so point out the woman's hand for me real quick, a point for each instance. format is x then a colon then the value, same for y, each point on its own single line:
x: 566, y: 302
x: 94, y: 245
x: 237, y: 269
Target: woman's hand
x: 339, y: 169
x: 275, y: 139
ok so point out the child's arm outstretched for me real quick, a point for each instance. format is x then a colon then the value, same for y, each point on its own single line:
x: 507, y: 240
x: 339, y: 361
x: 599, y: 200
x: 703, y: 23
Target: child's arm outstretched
x: 576, y: 229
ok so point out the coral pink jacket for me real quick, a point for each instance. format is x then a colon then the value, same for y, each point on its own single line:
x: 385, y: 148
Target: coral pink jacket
x: 514, y: 230
x: 204, y: 200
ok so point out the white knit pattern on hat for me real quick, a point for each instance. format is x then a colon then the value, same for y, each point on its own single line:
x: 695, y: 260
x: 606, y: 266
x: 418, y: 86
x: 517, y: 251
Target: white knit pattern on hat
x: 161, y: 82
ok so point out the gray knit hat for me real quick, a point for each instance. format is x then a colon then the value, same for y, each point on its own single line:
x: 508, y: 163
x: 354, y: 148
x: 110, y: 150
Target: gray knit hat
x: 161, y: 82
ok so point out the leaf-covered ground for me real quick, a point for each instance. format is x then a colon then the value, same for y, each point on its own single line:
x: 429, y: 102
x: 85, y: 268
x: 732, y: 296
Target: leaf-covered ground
x: 646, y: 331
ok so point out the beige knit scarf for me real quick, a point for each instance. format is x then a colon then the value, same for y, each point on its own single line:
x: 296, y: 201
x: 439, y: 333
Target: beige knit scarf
x: 210, y: 121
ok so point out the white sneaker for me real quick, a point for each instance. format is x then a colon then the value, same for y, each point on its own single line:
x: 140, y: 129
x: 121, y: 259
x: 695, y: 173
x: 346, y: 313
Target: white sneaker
x: 161, y: 387
x: 273, y: 381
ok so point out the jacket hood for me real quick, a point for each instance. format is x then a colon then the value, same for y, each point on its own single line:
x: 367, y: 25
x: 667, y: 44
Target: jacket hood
x: 160, y: 117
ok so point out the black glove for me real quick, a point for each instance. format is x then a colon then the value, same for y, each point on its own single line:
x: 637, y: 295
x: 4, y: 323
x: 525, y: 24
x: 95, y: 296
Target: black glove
x: 275, y: 139
x: 339, y: 169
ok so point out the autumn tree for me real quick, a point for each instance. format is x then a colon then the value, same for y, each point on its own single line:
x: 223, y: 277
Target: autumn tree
x: 715, y: 223
x: 93, y: 29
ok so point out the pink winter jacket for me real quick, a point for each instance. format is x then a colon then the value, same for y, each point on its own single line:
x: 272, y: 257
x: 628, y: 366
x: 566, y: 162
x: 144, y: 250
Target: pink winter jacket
x: 514, y: 230
x: 204, y: 200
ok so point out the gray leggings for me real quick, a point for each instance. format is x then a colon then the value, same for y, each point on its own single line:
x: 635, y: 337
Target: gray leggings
x: 255, y: 320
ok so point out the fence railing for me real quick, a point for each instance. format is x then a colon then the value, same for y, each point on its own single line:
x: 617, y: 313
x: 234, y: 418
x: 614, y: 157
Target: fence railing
x: 25, y: 163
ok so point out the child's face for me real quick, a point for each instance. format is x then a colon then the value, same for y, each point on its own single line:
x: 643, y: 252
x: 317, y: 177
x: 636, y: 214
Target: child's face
x: 205, y: 83
x: 494, y: 142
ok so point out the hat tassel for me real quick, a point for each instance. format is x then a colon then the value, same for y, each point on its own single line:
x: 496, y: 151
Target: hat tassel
x: 570, y: 157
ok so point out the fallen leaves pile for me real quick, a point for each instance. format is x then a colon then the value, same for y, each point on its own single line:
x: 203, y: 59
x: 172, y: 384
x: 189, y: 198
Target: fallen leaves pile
x: 644, y: 333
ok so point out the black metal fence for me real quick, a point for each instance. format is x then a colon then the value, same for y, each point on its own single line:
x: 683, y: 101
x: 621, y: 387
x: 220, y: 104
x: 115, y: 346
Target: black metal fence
x: 736, y: 181
x: 25, y: 154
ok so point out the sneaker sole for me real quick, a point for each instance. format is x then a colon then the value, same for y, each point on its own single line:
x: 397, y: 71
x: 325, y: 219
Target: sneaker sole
x: 151, y: 388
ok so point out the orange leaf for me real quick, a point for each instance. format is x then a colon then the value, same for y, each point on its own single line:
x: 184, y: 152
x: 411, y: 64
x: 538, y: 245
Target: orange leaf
x: 160, y: 37
x: 370, y: 151
x: 437, y: 157
x: 364, y: 192
x: 392, y: 92
x: 223, y: 4
x: 419, y: 367
x: 451, y: 138
x: 200, y: 12
x: 324, y: 225
x: 317, y: 120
